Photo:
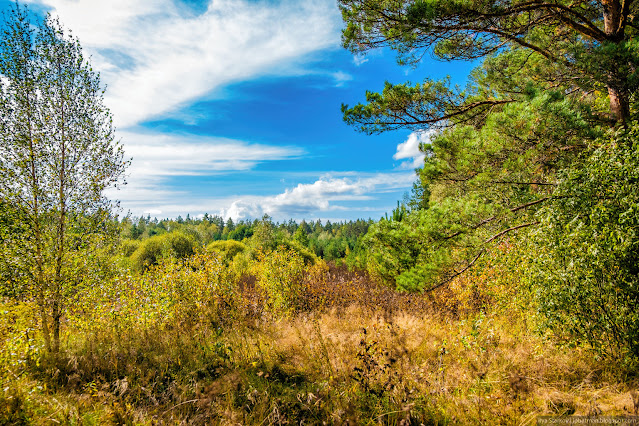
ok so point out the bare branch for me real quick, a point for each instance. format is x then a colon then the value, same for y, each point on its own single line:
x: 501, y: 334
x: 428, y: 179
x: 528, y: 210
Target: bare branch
x: 457, y: 273
x: 505, y: 231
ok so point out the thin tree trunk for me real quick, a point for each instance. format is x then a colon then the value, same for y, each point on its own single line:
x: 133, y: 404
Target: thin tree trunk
x: 57, y: 308
x: 40, y: 281
x: 615, y: 13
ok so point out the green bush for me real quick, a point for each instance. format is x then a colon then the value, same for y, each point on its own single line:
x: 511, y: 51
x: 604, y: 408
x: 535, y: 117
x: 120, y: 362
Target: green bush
x: 393, y: 252
x: 128, y: 247
x: 148, y: 254
x: 307, y: 255
x: 179, y: 245
x: 280, y: 274
x: 227, y: 249
x: 585, y: 267
x: 175, y: 245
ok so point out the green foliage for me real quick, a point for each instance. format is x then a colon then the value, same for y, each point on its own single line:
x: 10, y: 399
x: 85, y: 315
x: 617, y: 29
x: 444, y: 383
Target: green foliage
x: 522, y: 155
x: 484, y: 175
x: 311, y: 240
x: 393, y: 250
x: 227, y: 249
x: 14, y: 273
x: 148, y: 253
x: 584, y: 45
x: 240, y: 233
x: 179, y: 245
x: 264, y: 235
x: 176, y: 245
x: 280, y: 275
x: 304, y: 252
x: 19, y: 336
x: 585, y: 268
x: 169, y: 293
x: 301, y: 236
x: 540, y: 97
x: 128, y: 247
x: 57, y: 157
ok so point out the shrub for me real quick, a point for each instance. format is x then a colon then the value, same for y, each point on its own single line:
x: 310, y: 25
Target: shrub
x: 227, y: 249
x: 307, y: 255
x: 171, y: 245
x: 179, y: 245
x: 169, y: 294
x: 128, y: 247
x: 148, y: 254
x: 585, y: 270
x: 280, y: 275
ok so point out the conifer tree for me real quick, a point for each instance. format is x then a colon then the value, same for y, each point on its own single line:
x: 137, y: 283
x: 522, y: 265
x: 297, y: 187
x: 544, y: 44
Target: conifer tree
x: 538, y: 153
x: 555, y: 77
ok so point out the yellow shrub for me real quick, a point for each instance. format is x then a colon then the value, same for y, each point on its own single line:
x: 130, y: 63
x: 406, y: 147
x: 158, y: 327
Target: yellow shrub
x: 18, y: 335
x: 280, y: 274
x: 170, y: 294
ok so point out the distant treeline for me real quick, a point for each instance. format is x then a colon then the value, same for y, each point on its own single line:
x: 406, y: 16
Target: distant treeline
x: 330, y: 241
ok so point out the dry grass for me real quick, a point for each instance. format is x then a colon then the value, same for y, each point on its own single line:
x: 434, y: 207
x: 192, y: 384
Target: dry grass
x: 356, y: 353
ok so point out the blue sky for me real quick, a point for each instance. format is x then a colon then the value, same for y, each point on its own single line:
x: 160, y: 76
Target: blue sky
x: 232, y: 107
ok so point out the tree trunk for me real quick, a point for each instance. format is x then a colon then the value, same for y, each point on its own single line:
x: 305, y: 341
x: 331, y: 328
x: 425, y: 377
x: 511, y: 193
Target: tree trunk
x: 40, y: 279
x: 615, y: 13
x: 619, y: 105
x: 55, y: 346
x: 62, y: 219
x: 614, y: 19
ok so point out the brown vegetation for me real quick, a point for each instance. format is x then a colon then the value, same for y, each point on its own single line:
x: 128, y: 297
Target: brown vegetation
x: 353, y: 352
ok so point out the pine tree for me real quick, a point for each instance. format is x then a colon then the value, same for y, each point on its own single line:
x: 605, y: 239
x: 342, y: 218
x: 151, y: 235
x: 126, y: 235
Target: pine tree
x: 555, y: 77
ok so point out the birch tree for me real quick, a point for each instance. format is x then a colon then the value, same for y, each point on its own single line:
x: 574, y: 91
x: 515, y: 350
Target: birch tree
x: 58, y: 154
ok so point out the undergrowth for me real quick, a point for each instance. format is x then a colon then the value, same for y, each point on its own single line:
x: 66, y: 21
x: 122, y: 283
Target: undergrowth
x: 194, y: 342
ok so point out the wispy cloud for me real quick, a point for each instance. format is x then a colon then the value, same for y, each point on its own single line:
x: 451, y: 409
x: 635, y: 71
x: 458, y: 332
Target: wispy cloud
x: 359, y: 60
x: 159, y: 158
x: 342, y: 78
x: 184, y: 155
x: 409, y: 150
x: 156, y: 57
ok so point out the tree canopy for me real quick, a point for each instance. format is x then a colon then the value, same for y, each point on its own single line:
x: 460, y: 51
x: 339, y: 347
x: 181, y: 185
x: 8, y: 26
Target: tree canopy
x: 586, y: 46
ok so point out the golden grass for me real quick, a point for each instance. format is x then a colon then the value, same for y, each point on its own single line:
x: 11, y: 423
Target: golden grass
x: 472, y: 370
x: 365, y: 355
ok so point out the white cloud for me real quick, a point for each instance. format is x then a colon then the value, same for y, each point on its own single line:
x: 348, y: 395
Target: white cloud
x: 341, y: 78
x: 359, y: 60
x: 157, y: 158
x: 409, y: 149
x: 319, y: 196
x: 188, y: 155
x: 326, y: 196
x: 155, y: 58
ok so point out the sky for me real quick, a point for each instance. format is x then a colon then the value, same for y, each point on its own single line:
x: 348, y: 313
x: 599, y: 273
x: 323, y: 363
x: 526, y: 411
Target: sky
x: 232, y: 107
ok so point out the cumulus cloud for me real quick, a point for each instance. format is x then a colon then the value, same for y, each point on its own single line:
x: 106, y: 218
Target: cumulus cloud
x: 155, y: 56
x: 409, y: 150
x: 317, y: 197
